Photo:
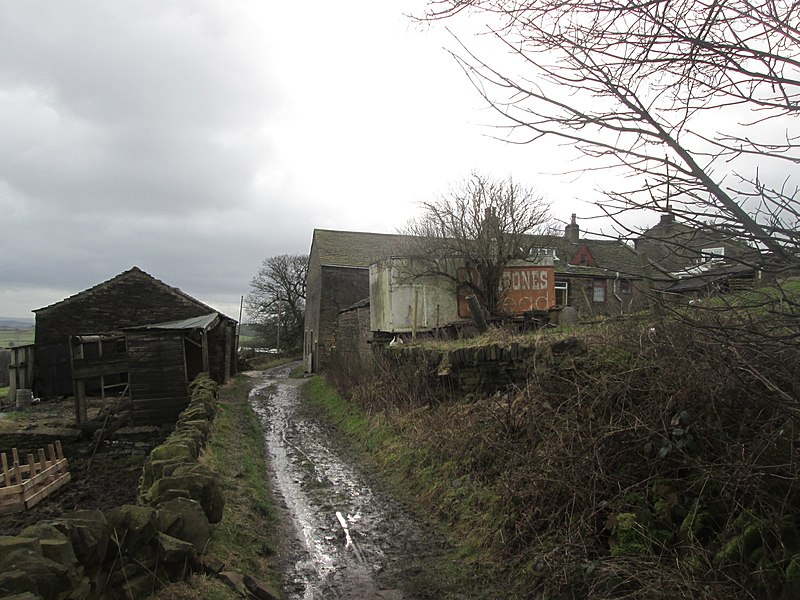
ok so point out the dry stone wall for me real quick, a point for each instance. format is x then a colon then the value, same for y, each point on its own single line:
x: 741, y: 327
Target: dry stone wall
x: 132, y: 550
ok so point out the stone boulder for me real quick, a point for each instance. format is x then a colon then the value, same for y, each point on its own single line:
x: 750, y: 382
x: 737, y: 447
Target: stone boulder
x: 196, y: 482
x: 54, y: 543
x: 89, y: 533
x: 185, y: 519
x: 52, y: 579
x: 133, y: 527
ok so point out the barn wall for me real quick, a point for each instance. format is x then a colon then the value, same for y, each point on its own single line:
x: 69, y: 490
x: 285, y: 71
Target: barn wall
x: 353, y: 350
x: 219, y: 353
x: 313, y: 300
x: 343, y: 287
x: 157, y: 376
x: 53, y: 375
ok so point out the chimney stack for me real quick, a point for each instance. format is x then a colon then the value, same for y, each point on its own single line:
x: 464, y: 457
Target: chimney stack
x: 667, y: 219
x: 572, y: 231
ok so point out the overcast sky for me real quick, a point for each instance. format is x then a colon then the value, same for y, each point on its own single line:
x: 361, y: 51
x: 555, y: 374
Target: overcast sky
x: 194, y: 139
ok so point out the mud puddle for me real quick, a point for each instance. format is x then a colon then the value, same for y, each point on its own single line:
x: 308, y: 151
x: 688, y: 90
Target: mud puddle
x: 352, y: 539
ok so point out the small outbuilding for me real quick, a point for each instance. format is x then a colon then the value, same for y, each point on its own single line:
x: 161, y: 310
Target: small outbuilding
x: 134, y: 333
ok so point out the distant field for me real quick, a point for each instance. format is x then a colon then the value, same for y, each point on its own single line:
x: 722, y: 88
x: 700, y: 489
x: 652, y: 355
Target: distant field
x: 17, y: 337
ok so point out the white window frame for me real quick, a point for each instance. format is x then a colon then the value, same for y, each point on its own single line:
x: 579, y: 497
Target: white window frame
x: 563, y: 285
x: 714, y: 254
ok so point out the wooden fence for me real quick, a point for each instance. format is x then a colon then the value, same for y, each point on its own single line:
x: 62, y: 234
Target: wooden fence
x: 25, y: 485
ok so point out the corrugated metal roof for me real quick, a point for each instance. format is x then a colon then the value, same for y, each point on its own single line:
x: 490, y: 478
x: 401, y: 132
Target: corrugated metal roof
x: 202, y: 322
x: 710, y: 277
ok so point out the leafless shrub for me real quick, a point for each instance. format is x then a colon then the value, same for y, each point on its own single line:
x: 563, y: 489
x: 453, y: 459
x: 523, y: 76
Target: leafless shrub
x: 660, y: 463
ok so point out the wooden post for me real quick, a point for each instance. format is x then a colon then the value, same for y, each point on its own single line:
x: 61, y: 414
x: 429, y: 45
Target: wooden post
x: 80, y: 401
x: 78, y: 385
x: 414, y: 315
x: 102, y: 377
x: 6, y: 474
x: 17, y: 471
x: 204, y: 338
x: 13, y: 373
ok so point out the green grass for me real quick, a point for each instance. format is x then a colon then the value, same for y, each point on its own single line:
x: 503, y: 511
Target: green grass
x: 15, y: 337
x: 246, y: 538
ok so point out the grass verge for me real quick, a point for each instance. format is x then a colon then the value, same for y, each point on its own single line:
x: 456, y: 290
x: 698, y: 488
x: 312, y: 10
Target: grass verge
x: 416, y: 475
x: 245, y: 540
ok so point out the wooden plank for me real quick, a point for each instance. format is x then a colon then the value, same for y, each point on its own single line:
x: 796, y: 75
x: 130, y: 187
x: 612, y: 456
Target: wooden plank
x: 42, y: 477
x: 17, y: 473
x: 37, y: 497
x: 6, y: 474
x: 112, y: 368
x: 11, y: 491
x: 6, y: 509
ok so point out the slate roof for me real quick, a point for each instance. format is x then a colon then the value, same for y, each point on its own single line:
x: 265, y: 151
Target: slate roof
x: 356, y: 249
x: 132, y: 272
x: 609, y: 255
x: 359, y: 249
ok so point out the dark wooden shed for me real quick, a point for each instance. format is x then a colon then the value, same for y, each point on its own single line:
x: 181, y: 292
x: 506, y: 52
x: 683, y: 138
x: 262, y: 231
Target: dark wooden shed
x: 132, y: 299
x: 162, y: 359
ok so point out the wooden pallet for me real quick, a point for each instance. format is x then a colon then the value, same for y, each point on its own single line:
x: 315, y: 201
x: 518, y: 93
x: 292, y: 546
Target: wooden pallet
x: 24, y: 486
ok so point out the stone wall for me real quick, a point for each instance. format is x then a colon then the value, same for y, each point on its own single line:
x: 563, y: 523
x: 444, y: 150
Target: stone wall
x: 343, y: 288
x: 130, y: 551
x: 488, y: 368
x: 353, y: 336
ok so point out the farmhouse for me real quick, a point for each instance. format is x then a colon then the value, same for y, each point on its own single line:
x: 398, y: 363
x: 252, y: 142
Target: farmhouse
x: 596, y: 277
x: 689, y: 261
x: 135, y: 333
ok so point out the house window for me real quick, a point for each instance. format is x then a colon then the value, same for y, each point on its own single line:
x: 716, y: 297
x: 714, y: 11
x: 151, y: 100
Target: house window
x: 551, y: 252
x: 624, y: 286
x: 599, y: 290
x: 562, y: 293
x: 712, y: 254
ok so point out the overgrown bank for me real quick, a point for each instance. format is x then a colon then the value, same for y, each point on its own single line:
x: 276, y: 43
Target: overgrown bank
x: 652, y: 460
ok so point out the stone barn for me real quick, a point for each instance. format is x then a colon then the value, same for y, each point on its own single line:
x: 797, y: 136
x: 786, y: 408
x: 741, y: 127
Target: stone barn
x: 338, y: 278
x: 132, y: 311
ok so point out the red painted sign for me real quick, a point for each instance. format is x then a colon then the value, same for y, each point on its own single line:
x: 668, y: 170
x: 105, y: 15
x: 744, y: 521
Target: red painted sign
x: 522, y: 289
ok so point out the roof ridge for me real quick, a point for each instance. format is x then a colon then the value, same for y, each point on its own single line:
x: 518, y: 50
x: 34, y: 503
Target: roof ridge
x: 88, y: 292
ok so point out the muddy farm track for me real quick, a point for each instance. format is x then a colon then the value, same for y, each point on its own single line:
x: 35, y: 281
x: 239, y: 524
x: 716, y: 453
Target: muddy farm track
x: 351, y: 539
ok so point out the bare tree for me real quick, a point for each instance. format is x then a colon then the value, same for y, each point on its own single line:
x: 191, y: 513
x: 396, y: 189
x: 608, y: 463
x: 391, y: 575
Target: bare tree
x: 484, y: 224
x: 693, y: 99
x: 277, y: 298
